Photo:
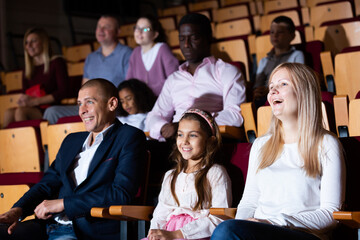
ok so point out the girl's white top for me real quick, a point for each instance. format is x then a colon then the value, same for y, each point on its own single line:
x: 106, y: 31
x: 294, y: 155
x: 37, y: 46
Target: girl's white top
x: 135, y: 120
x: 205, y: 223
x: 284, y: 195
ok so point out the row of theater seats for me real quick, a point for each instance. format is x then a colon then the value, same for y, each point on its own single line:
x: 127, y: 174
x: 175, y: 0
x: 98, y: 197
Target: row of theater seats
x: 238, y: 22
x: 237, y: 41
x: 237, y: 153
x: 21, y: 161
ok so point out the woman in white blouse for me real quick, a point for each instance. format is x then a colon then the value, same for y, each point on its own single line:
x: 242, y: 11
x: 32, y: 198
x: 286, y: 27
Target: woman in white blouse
x: 195, y: 184
x: 296, y: 172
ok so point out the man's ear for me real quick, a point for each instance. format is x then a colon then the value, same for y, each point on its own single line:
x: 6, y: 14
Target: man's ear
x: 118, y: 33
x: 293, y: 36
x: 113, y: 103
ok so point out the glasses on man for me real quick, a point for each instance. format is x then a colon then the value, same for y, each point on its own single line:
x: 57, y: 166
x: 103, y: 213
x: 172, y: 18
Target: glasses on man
x: 143, y: 30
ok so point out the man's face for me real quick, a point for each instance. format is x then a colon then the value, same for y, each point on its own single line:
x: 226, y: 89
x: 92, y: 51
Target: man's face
x: 193, y: 44
x: 280, y: 36
x: 106, y: 31
x: 96, y: 113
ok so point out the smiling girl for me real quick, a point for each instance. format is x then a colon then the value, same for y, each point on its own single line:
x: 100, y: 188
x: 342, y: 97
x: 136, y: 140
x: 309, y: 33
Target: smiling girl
x: 136, y: 100
x: 195, y: 184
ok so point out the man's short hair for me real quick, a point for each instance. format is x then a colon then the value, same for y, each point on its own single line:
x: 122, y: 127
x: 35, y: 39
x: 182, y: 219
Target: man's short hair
x: 200, y: 20
x: 287, y: 21
x: 116, y: 19
x: 106, y: 88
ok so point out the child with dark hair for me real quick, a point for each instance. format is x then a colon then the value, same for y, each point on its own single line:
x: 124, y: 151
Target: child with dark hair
x: 194, y: 185
x: 282, y: 32
x: 152, y: 61
x: 136, y: 100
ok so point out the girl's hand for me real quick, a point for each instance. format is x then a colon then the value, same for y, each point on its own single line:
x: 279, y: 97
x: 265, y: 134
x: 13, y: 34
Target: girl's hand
x: 157, y: 234
x: 258, y: 220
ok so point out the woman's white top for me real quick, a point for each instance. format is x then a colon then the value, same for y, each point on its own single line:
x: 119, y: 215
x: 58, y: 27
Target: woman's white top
x: 149, y: 57
x: 284, y: 195
x: 185, y: 191
x: 135, y: 120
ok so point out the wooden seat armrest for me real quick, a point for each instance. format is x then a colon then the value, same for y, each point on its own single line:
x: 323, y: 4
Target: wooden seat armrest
x: 128, y: 212
x: 103, y: 213
x: 351, y: 219
x: 341, y: 109
x: 223, y: 213
x: 232, y: 132
x: 247, y: 111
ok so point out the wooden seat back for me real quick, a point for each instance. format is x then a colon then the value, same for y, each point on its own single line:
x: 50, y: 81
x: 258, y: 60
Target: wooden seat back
x: 168, y: 23
x: 276, y: 5
x: 6, y: 102
x: 354, y: 117
x: 329, y: 12
x: 264, y: 115
x: 204, y: 5
x: 127, y: 30
x: 347, y: 74
x: 247, y: 112
x: 19, y: 150
x: 232, y: 51
x: 313, y: 3
x: 233, y: 28
x: 171, y: 11
x: 339, y: 36
x: 56, y: 134
x: 229, y: 13
x: 77, y: 53
x: 12, y: 80
x: 173, y: 38
x: 75, y: 69
x: 9, y: 194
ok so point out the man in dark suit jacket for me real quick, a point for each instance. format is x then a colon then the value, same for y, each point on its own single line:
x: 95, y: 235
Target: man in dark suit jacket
x: 100, y: 169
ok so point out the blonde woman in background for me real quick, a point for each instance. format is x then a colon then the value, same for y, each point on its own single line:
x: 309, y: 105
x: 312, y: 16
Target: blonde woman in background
x: 45, y: 78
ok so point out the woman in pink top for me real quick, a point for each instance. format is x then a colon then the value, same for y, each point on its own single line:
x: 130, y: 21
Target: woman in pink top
x: 152, y: 61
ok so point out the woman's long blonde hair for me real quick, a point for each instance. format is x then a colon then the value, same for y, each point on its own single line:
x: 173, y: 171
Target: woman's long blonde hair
x: 46, y: 53
x: 310, y: 126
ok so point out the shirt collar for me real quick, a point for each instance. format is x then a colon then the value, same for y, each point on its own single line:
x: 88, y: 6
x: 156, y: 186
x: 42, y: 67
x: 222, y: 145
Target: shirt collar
x: 185, y: 65
x: 99, y: 50
x: 98, y: 139
x: 272, y: 52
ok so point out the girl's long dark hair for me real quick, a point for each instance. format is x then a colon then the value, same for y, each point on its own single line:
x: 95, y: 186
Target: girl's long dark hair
x: 202, y: 186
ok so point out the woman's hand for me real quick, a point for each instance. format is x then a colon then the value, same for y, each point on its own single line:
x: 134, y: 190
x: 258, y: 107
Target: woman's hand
x: 27, y: 101
x: 258, y: 220
x: 157, y: 234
